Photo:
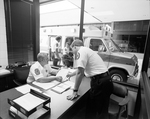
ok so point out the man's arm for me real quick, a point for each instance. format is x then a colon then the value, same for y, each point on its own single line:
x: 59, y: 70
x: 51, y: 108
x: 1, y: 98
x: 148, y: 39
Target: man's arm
x: 70, y: 74
x: 79, y: 77
x: 49, y: 79
x: 54, y: 71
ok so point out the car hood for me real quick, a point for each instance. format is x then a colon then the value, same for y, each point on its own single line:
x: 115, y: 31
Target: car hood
x: 122, y: 54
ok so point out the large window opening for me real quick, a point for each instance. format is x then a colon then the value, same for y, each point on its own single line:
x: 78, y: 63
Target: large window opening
x: 131, y: 43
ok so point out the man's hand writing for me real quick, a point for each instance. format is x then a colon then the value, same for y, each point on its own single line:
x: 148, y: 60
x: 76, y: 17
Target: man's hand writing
x: 59, y: 78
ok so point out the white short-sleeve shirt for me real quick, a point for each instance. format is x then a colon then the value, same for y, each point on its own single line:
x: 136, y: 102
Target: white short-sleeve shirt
x: 54, y: 45
x: 37, y: 71
x: 90, y: 61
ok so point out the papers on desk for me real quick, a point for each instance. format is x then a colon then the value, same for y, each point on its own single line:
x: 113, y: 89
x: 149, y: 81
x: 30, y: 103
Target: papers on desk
x: 29, y: 101
x: 63, y: 72
x: 47, y: 85
x: 66, y: 84
x: 26, y: 88
x: 70, y: 83
x: 62, y: 87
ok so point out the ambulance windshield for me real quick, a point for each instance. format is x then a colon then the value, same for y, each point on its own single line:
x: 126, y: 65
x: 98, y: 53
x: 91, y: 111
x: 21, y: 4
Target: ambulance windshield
x: 113, y: 47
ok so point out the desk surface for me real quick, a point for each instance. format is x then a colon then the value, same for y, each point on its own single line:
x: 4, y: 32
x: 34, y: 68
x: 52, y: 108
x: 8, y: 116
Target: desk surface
x: 59, y: 103
x: 5, y: 73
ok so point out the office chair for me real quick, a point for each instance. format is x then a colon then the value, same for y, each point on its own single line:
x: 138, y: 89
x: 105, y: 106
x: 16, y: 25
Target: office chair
x: 20, y: 75
x: 118, y: 102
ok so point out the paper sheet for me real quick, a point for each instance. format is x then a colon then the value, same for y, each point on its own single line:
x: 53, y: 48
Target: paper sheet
x: 46, y: 85
x: 63, y: 73
x: 70, y: 83
x: 26, y: 89
x: 63, y: 86
x: 29, y: 101
x: 60, y: 89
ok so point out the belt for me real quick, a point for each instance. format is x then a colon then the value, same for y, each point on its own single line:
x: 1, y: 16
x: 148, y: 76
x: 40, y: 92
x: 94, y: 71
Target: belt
x: 100, y: 75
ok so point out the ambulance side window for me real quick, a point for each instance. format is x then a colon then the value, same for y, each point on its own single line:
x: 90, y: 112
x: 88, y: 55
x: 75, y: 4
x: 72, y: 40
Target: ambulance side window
x: 97, y: 45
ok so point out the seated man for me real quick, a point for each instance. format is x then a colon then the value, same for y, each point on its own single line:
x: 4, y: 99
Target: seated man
x: 41, y: 71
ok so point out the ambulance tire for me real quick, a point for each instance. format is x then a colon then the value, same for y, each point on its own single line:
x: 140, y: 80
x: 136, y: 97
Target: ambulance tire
x: 118, y: 75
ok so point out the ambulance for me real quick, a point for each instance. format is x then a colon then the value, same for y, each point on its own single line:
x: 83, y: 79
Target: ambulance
x: 122, y: 65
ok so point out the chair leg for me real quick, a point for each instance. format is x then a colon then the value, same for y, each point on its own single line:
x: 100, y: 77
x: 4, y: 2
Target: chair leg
x: 119, y: 113
x: 127, y: 111
x: 124, y: 113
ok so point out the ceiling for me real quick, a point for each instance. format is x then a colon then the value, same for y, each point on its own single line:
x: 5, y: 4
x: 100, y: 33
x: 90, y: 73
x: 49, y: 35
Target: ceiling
x: 96, y: 11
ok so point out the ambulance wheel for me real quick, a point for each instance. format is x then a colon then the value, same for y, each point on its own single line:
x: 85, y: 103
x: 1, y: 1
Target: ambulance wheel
x: 118, y: 75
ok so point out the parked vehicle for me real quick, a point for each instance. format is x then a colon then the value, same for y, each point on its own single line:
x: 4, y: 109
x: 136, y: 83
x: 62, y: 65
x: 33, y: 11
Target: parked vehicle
x: 121, y: 65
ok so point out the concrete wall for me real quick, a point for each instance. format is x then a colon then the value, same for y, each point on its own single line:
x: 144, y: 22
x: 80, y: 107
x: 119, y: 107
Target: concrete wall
x: 3, y: 40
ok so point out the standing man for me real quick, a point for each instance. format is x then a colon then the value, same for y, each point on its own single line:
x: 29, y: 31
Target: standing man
x: 90, y: 64
x: 41, y: 71
x: 56, y: 51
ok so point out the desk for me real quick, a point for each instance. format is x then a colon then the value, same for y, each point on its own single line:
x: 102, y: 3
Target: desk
x: 60, y: 107
x: 6, y: 81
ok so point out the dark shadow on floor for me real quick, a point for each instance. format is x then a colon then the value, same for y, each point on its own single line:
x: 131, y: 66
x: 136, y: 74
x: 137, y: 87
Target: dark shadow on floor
x: 80, y: 115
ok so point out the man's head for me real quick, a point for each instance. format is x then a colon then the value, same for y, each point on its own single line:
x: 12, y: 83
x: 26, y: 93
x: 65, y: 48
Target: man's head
x: 67, y: 60
x: 42, y: 58
x: 58, y: 38
x: 76, y: 44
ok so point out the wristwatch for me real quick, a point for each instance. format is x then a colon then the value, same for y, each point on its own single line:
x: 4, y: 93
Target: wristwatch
x: 75, y: 90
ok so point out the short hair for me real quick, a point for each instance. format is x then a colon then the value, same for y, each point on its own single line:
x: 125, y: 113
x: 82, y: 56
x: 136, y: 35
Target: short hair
x: 41, y: 56
x: 67, y: 60
x: 58, y: 38
x: 77, y: 43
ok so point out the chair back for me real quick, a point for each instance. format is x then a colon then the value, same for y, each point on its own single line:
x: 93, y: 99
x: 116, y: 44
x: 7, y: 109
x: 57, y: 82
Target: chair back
x: 21, y: 74
x: 119, y: 90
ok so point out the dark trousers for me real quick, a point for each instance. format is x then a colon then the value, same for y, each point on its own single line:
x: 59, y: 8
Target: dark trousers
x: 55, y: 62
x: 98, y: 98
